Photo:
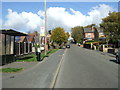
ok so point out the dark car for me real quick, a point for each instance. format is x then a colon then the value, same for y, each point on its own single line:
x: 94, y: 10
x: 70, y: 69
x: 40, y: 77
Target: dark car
x: 118, y: 56
x: 67, y: 46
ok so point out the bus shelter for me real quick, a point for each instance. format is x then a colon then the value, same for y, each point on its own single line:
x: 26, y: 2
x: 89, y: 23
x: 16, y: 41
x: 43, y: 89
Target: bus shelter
x: 7, y: 45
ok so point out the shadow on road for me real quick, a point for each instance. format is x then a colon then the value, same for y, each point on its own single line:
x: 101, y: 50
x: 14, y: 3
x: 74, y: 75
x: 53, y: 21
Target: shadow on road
x: 115, y: 61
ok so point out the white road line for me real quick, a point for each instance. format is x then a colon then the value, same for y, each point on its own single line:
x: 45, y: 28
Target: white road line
x: 57, y: 71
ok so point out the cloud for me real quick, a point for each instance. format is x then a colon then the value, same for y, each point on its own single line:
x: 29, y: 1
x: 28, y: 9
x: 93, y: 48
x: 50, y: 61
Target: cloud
x: 0, y: 23
x: 23, y: 21
x: 56, y: 17
x: 99, y: 12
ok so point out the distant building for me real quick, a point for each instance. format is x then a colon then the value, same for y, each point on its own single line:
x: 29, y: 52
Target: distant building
x: 88, y: 34
x: 34, y: 38
x: 23, y: 46
x: 34, y: 35
x: 94, y: 33
x: 101, y: 34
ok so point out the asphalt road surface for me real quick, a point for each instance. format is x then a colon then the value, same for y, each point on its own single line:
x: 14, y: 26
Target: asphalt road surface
x: 84, y: 68
x: 39, y: 76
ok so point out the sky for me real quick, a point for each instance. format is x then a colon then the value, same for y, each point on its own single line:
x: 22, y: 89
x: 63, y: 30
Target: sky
x: 29, y: 16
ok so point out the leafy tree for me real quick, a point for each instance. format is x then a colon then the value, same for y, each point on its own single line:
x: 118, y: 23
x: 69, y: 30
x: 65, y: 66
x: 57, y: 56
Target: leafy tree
x: 67, y: 35
x: 96, y: 34
x: 29, y: 33
x: 111, y: 26
x: 58, y: 36
x: 89, y: 26
x: 50, y: 32
x: 77, y: 34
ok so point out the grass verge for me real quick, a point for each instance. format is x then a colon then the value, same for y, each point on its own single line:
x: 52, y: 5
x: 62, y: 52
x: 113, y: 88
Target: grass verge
x: 48, y: 53
x: 52, y: 51
x: 32, y: 58
x: 10, y: 70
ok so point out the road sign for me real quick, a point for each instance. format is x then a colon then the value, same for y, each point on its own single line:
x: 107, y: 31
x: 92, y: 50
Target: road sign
x: 42, y: 31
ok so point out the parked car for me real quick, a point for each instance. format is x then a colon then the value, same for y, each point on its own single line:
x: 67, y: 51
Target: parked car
x: 67, y: 46
x: 118, y: 56
x: 79, y: 44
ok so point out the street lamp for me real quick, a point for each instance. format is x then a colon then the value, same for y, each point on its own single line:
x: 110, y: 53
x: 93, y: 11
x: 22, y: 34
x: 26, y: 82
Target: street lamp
x: 45, y: 25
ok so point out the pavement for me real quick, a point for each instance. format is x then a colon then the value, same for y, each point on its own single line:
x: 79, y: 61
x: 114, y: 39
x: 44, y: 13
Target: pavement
x: 35, y: 74
x: 25, y: 65
x: 84, y: 68
x: 105, y: 53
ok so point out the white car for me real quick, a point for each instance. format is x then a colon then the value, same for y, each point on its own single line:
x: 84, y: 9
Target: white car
x: 118, y: 56
x: 42, y: 48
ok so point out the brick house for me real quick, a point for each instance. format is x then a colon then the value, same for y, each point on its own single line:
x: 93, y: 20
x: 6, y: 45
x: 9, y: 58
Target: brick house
x: 23, y: 46
x: 32, y: 42
x: 88, y: 34
x: 33, y: 38
x: 93, y: 34
x: 101, y: 34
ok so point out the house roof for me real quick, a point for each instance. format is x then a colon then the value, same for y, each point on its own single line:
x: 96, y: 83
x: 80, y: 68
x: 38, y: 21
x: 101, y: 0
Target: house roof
x: 34, y: 33
x: 12, y: 32
x: 88, y: 30
x: 99, y: 29
x: 31, y: 37
x: 22, y: 38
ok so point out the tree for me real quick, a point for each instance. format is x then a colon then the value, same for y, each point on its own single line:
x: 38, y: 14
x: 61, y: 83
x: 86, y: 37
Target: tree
x: 50, y: 32
x: 58, y: 36
x: 29, y: 33
x: 111, y: 26
x: 77, y: 34
x: 89, y: 26
x: 96, y: 34
x: 67, y: 35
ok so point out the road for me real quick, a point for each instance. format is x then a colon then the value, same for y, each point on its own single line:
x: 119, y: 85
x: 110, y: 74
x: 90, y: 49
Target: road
x: 84, y: 68
x: 39, y: 76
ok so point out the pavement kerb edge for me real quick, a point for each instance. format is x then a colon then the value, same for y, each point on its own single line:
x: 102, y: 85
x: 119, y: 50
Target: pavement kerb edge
x: 108, y: 54
x: 57, y: 71
x: 50, y: 55
x: 30, y: 67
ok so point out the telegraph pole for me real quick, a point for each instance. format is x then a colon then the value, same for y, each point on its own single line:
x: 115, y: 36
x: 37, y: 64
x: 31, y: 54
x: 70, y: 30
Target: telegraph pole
x: 45, y: 26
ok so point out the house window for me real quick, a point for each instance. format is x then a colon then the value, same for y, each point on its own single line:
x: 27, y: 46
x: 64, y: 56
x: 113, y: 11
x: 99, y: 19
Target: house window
x: 89, y: 35
x: 101, y: 34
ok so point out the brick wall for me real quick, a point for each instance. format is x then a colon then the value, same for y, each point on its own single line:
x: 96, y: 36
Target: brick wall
x: 89, y: 35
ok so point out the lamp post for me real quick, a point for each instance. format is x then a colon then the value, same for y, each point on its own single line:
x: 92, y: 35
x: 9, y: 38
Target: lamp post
x: 45, y: 26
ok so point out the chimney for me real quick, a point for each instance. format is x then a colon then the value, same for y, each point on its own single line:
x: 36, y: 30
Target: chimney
x: 93, y: 28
